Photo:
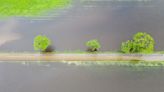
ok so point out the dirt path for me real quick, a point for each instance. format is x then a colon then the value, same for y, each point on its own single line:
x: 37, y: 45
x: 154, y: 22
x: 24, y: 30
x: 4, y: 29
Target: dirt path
x: 80, y: 57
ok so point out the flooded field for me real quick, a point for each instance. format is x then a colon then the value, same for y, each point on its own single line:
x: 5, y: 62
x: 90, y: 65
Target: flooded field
x: 109, y: 22
x: 62, y: 77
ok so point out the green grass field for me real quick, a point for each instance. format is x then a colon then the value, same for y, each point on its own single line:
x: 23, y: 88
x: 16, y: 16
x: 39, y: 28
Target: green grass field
x: 30, y: 7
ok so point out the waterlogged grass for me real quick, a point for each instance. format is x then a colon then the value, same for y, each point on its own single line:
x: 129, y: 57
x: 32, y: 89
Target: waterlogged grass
x: 118, y: 63
x: 65, y: 52
x: 85, y: 52
x: 30, y: 7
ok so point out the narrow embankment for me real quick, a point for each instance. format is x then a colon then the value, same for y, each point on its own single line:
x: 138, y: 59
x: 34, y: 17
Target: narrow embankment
x: 81, y: 57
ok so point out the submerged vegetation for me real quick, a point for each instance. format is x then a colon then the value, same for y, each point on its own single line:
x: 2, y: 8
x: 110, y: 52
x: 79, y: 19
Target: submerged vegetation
x: 118, y: 63
x: 30, y: 7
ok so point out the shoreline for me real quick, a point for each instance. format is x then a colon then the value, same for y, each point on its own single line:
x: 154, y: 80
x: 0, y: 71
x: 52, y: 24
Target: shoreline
x: 80, y: 57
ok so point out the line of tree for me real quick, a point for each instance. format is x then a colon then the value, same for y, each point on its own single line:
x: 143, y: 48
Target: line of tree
x: 141, y: 42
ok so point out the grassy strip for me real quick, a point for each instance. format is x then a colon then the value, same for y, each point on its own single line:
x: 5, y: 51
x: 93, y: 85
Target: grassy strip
x: 84, y: 52
x: 80, y: 52
x: 29, y: 7
x: 118, y: 63
x: 63, y: 52
x: 99, y: 63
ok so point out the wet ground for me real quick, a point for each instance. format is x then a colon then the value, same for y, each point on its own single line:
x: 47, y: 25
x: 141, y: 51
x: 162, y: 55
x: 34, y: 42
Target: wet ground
x: 60, y: 77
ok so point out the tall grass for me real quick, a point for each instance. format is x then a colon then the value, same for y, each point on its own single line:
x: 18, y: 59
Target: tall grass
x: 29, y: 7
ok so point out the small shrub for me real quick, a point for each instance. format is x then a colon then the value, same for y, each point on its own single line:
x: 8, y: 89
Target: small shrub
x: 128, y: 46
x: 141, y: 43
x: 93, y: 45
x: 41, y: 43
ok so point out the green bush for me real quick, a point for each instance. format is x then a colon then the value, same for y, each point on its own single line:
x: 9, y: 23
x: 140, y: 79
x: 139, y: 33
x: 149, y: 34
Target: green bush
x: 141, y: 43
x: 128, y: 46
x: 41, y: 43
x: 93, y: 45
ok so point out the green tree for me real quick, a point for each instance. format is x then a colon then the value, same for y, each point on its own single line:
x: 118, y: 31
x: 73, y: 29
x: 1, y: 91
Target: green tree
x: 41, y: 43
x: 93, y: 45
x: 141, y: 43
x: 144, y: 42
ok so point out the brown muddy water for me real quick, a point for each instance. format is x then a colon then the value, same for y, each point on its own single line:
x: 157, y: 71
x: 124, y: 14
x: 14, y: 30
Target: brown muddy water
x: 61, y: 77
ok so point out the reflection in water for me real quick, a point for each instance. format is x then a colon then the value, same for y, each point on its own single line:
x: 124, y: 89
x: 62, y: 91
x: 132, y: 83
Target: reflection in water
x: 7, y: 33
x: 59, y: 77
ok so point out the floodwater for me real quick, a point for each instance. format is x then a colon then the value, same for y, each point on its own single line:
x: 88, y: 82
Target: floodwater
x: 109, y: 21
x: 60, y: 77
